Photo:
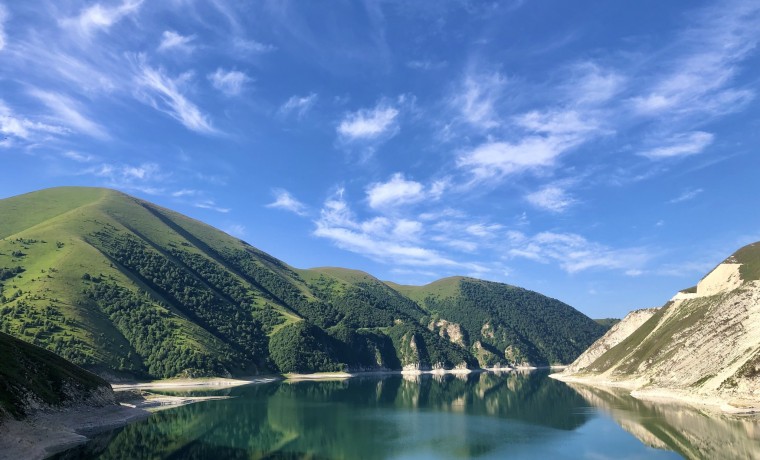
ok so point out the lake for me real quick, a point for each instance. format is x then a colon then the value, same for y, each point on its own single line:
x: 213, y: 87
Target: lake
x: 523, y: 415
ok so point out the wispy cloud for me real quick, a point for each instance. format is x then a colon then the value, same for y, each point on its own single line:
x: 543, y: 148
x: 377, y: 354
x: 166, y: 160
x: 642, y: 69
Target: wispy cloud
x: 593, y: 84
x: 477, y: 99
x: 185, y: 192
x: 284, y: 200
x: 78, y: 156
x: 299, y: 105
x: 237, y: 230
x: 211, y: 205
x: 679, y: 145
x: 389, y: 240
x: 15, y: 126
x: 68, y: 112
x: 686, y: 195
x: 162, y: 93
x: 229, y: 82
x: 546, y: 135
x: 3, y: 18
x: 551, y: 198
x: 252, y: 46
x: 426, y: 64
x: 368, y: 124
x: 574, y: 253
x: 99, y: 17
x: 173, y: 41
x: 146, y: 177
x: 700, y: 81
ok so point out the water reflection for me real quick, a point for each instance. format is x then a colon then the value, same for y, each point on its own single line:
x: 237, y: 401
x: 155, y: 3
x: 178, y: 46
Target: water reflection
x: 517, y: 415
x: 355, y: 418
x: 689, y: 431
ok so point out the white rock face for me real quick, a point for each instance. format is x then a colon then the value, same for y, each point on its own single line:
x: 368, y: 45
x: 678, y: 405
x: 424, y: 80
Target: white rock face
x: 703, y: 347
x: 614, y: 336
x: 725, y: 277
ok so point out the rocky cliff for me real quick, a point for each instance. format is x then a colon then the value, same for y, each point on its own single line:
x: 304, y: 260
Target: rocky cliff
x: 703, y: 345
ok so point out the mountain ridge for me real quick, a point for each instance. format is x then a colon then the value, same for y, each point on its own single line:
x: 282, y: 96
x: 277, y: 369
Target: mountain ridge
x: 128, y: 288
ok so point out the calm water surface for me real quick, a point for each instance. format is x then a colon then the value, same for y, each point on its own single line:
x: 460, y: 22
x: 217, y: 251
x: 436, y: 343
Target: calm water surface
x: 512, y: 415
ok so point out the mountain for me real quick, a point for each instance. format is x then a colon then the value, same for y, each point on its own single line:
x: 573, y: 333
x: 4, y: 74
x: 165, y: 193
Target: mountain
x: 32, y: 378
x: 703, y: 343
x: 126, y: 288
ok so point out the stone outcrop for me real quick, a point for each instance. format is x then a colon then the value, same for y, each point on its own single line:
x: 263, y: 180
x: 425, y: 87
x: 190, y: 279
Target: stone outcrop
x: 703, y: 345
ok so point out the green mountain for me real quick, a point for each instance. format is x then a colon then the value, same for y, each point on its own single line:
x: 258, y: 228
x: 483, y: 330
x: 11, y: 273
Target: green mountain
x: 124, y: 287
x: 33, y: 378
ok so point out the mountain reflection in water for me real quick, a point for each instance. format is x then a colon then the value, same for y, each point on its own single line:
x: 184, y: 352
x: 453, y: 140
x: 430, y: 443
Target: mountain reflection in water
x: 687, y: 430
x: 479, y: 415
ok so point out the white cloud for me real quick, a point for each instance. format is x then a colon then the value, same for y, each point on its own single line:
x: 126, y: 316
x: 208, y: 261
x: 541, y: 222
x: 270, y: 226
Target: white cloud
x: 284, y: 200
x: 67, y: 112
x: 476, y: 99
x: 235, y: 230
x: 211, y: 204
x: 229, y: 82
x: 682, y: 144
x: 252, y: 46
x: 686, y: 196
x: 574, y: 253
x: 551, y: 198
x: 146, y: 177
x: 3, y: 18
x: 549, y: 134
x: 185, y: 192
x: 557, y: 122
x: 387, y: 240
x: 483, y: 230
x: 497, y: 159
x: 172, y: 41
x: 78, y: 157
x: 99, y: 17
x: 367, y: 124
x: 592, y: 84
x: 19, y: 127
x: 299, y: 105
x: 699, y: 81
x: 163, y: 94
x: 426, y: 64
x: 396, y: 192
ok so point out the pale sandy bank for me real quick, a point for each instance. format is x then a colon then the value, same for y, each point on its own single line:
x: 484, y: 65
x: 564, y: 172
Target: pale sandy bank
x: 718, y: 403
x: 215, y: 382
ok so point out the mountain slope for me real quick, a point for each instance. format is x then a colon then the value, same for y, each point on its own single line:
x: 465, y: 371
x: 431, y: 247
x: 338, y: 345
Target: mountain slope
x: 505, y: 324
x: 32, y: 378
x: 705, y: 341
x: 124, y: 287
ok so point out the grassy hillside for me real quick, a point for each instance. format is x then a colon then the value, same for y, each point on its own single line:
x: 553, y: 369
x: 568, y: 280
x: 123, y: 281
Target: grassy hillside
x: 124, y: 287
x: 33, y: 377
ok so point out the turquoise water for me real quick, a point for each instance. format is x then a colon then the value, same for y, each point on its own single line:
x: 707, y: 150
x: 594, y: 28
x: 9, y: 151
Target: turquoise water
x: 482, y: 415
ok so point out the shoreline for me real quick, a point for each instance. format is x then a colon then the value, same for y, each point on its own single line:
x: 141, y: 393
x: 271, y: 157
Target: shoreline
x: 47, y: 433
x: 206, y: 382
x: 737, y: 405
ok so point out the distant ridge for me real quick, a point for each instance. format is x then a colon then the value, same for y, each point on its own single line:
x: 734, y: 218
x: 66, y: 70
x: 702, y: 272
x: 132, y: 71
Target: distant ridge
x: 126, y: 288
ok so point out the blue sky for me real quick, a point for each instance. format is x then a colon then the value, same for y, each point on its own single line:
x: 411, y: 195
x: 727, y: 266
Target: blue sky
x: 603, y: 153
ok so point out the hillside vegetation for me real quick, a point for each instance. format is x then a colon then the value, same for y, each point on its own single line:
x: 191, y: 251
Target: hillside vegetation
x: 705, y: 341
x: 126, y: 288
x: 32, y: 378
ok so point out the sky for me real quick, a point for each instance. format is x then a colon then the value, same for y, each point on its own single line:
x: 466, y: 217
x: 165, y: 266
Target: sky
x: 602, y: 153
